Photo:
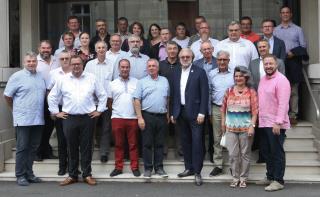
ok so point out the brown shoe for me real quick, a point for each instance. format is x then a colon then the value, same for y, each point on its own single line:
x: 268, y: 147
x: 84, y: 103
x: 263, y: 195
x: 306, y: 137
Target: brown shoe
x: 68, y: 181
x: 293, y: 121
x: 89, y: 180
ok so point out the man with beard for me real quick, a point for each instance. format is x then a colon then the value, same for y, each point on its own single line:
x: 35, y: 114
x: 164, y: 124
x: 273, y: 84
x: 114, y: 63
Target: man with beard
x: 103, y: 71
x: 274, y: 95
x: 46, y: 63
x: 204, y: 32
x: 138, y: 61
x: 101, y: 34
x: 190, y: 94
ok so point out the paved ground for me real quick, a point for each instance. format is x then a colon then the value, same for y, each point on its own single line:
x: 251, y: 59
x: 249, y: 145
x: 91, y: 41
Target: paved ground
x: 106, y: 189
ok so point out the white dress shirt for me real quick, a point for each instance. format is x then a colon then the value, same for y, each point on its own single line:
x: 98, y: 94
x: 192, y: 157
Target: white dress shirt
x: 77, y: 95
x: 271, y: 43
x: 76, y: 43
x: 261, y: 69
x: 112, y: 57
x: 183, y: 83
x: 44, y: 68
x: 54, y: 76
x: 102, y: 70
x: 121, y: 92
x: 242, y: 52
x: 195, y: 47
x: 182, y: 43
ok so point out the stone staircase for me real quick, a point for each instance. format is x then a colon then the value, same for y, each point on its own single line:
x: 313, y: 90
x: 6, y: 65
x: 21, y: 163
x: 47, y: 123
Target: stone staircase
x: 302, y: 164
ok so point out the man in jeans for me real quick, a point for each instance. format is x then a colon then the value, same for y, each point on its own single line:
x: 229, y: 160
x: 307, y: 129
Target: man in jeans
x: 25, y: 94
x: 274, y: 95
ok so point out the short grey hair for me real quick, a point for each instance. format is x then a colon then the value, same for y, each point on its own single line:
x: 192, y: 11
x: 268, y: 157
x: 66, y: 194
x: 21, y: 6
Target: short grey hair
x: 100, y: 41
x: 223, y: 52
x: 234, y: 23
x: 132, y: 36
x: 30, y: 54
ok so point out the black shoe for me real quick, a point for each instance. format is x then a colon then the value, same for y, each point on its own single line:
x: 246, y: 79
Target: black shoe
x: 216, y: 171
x: 34, y: 179
x: 261, y: 161
x: 197, y: 180
x: 62, y: 171
x: 38, y: 158
x: 51, y: 157
x: 185, y: 173
x: 136, y: 173
x: 147, y: 174
x: 104, y: 159
x: 115, y: 172
x: 161, y: 173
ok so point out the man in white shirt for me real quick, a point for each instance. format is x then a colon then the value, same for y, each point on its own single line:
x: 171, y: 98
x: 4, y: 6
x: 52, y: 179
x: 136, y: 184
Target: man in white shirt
x: 73, y: 25
x: 68, y: 40
x: 124, y: 119
x: 103, y: 70
x: 46, y: 63
x: 241, y: 51
x: 115, y: 51
x: 54, y: 76
x: 78, y: 91
x: 181, y: 38
x: 204, y: 32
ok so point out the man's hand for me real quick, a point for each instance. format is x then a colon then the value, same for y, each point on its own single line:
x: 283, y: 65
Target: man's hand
x: 290, y: 55
x: 172, y: 120
x: 276, y: 129
x: 141, y: 123
x: 62, y: 115
x: 94, y: 114
x: 200, y: 119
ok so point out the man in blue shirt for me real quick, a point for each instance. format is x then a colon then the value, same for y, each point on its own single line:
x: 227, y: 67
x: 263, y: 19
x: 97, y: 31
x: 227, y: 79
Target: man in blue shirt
x: 151, y: 105
x: 25, y: 94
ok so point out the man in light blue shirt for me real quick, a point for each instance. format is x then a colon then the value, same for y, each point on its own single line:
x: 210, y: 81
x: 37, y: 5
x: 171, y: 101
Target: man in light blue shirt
x: 151, y: 105
x: 220, y: 79
x: 138, y: 61
x: 25, y: 94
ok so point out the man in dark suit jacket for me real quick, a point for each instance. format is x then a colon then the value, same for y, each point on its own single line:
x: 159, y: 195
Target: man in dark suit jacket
x: 277, y: 45
x: 256, y: 68
x: 256, y: 65
x: 208, y: 63
x: 190, y: 94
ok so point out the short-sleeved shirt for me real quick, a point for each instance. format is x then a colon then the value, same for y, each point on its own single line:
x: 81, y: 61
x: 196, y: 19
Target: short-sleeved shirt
x: 28, y: 93
x: 121, y: 93
x: 153, y: 94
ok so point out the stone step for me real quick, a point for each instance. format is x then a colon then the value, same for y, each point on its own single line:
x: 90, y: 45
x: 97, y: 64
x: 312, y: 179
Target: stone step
x: 128, y: 177
x: 303, y: 167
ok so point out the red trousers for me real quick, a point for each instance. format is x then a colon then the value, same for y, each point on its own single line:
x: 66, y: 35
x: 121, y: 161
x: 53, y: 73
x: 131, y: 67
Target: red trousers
x: 120, y: 129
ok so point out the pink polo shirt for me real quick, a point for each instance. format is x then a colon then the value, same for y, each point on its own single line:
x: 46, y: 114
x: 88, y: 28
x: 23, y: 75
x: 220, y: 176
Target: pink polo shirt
x: 274, y: 94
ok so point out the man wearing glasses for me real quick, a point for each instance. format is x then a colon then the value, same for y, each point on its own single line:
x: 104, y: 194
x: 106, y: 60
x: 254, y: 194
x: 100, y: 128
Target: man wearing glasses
x: 190, y: 95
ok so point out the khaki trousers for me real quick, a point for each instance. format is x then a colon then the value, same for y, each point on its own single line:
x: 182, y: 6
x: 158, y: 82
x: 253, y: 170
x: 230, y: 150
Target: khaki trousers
x: 216, y: 126
x: 239, y: 147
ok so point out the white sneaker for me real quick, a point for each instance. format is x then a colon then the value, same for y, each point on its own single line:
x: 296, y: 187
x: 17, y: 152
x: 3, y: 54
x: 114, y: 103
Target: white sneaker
x: 274, y: 186
x: 264, y: 181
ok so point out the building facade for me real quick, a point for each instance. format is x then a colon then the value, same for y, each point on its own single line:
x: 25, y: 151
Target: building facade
x: 25, y: 22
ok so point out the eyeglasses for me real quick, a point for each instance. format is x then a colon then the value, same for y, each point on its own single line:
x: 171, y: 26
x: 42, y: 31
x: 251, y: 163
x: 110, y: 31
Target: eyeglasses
x: 224, y: 60
x: 185, y: 57
x: 64, y: 58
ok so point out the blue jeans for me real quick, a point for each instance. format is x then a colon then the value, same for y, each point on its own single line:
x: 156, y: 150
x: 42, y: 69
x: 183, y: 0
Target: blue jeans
x: 28, y: 140
x: 272, y: 150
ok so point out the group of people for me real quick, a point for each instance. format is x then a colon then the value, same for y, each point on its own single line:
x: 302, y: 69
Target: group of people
x: 131, y: 90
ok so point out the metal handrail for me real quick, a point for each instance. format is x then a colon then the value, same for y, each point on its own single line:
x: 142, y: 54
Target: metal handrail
x: 311, y: 93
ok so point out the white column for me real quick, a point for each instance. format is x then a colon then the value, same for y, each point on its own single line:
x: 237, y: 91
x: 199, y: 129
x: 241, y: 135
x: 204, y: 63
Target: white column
x: 29, y: 26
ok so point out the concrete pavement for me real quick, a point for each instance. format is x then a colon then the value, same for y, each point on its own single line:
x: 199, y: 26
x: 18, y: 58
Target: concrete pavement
x: 120, y: 189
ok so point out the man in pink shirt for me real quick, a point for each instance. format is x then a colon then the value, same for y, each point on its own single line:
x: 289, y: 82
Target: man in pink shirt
x: 274, y: 94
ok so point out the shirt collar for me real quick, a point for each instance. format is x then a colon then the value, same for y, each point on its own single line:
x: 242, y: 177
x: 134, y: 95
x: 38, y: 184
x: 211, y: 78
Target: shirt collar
x: 238, y: 41
x: 103, y: 63
x: 162, y: 45
x: 131, y: 55
x: 175, y: 63
x: 188, y: 69
x: 149, y: 76
x: 271, y: 38
x: 28, y: 72
x: 272, y: 76
x: 110, y: 52
x: 289, y: 25
x: 40, y: 59
x: 82, y: 75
